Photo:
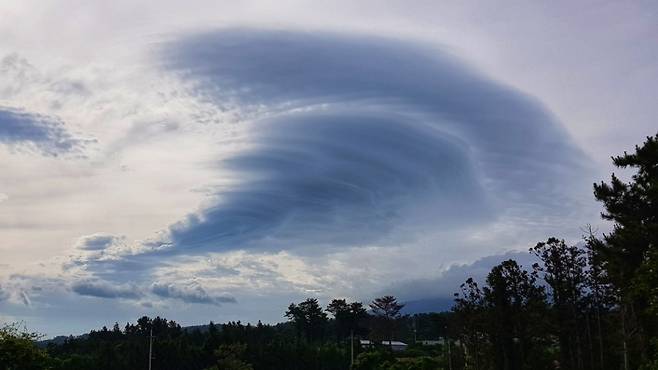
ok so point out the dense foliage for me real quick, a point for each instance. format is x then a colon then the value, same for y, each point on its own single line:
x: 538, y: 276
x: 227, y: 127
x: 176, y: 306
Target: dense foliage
x: 588, y: 306
x: 231, y: 345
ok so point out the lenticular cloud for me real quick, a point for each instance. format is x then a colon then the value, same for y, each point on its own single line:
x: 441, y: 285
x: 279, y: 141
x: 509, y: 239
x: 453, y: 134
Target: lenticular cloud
x: 363, y: 138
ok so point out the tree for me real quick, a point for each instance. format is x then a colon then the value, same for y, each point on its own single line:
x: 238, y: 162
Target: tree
x: 515, y: 307
x: 563, y: 270
x: 374, y: 360
x: 308, y: 318
x: 116, y: 331
x: 143, y: 325
x: 340, y: 310
x: 601, y: 299
x: 630, y: 252
x: 347, y: 316
x: 470, y: 313
x: 386, y: 310
x: 229, y: 357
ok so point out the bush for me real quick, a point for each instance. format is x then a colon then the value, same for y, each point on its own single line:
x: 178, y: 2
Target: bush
x: 372, y: 360
x: 18, y: 350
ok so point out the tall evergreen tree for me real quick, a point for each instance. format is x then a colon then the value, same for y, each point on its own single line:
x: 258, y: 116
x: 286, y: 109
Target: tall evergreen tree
x: 630, y: 251
x: 308, y: 318
x: 347, y: 317
x: 386, y: 311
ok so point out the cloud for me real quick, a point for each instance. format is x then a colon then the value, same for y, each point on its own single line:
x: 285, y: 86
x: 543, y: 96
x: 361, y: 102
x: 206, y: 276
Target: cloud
x: 448, y: 282
x: 25, y: 299
x: 191, y: 293
x: 45, y: 134
x: 4, y: 295
x: 104, y: 289
x: 99, y: 241
x: 338, y: 179
x: 409, y: 159
x: 362, y: 137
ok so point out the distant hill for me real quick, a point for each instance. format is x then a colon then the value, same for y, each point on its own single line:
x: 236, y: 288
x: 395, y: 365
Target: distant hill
x: 58, y: 340
x: 201, y: 328
x: 425, y: 305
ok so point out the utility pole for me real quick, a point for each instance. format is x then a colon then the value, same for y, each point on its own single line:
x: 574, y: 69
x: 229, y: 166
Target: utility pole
x: 351, y: 348
x: 414, y: 324
x: 150, y: 347
x: 446, y: 338
x: 449, y: 356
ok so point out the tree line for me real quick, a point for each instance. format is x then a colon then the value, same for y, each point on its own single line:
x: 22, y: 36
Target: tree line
x: 593, y: 305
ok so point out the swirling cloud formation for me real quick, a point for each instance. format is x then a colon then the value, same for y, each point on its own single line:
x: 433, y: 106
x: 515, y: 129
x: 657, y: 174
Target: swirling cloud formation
x: 362, y: 138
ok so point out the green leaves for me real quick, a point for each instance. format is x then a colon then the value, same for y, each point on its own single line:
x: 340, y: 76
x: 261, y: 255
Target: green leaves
x: 19, y: 351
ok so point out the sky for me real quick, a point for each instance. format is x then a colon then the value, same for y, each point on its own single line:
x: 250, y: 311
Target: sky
x: 218, y: 160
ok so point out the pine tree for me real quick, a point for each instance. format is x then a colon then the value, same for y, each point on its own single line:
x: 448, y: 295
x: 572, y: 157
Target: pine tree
x: 630, y: 252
